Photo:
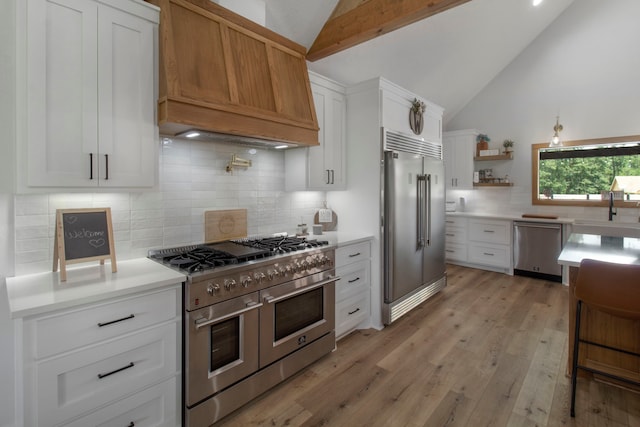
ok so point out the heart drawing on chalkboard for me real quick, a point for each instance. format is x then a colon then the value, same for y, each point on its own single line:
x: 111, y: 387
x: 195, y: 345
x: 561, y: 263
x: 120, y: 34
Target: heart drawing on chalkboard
x: 71, y: 219
x: 96, y: 243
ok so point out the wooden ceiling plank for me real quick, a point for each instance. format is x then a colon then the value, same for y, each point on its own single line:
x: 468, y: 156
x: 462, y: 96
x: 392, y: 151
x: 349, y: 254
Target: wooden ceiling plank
x: 357, y: 23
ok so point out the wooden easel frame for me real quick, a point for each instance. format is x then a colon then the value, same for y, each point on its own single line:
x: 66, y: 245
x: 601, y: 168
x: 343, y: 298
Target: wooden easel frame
x: 59, y: 256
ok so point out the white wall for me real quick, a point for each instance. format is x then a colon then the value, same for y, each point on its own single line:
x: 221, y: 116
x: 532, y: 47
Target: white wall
x: 192, y: 180
x: 584, y: 68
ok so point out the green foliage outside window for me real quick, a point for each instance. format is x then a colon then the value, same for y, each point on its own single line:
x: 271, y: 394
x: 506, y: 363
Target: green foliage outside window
x: 584, y: 176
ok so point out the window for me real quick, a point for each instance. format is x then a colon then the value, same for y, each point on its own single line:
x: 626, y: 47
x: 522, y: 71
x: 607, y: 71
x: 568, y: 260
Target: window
x: 583, y: 173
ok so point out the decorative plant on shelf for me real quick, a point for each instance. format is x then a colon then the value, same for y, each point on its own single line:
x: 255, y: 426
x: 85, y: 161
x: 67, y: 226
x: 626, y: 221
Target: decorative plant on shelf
x: 482, y: 142
x: 483, y: 138
x: 508, y: 145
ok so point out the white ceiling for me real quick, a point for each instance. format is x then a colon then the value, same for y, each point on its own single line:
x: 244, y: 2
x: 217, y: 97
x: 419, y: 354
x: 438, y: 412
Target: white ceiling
x: 447, y: 58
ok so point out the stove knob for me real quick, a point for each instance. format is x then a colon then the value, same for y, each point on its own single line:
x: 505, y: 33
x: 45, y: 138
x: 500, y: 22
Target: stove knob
x: 246, y: 282
x: 304, y: 265
x: 297, y: 267
x: 313, y: 262
x: 288, y: 269
x: 283, y: 271
x: 213, y: 288
x: 259, y: 277
x: 228, y: 284
x: 271, y: 274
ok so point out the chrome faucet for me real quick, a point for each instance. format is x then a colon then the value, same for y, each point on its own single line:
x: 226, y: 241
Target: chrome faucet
x: 611, y: 212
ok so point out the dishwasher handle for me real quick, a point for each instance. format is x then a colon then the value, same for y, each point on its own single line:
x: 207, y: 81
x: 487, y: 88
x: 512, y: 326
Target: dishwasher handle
x: 532, y: 225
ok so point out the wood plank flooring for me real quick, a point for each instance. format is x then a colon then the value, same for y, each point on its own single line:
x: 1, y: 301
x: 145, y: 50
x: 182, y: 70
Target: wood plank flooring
x: 489, y: 350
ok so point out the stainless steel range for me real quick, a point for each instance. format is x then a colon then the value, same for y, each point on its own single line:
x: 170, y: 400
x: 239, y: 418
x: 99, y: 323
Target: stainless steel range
x: 256, y: 311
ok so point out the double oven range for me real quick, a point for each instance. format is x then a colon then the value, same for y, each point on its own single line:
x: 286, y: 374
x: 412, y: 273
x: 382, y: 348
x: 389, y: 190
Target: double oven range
x: 256, y: 311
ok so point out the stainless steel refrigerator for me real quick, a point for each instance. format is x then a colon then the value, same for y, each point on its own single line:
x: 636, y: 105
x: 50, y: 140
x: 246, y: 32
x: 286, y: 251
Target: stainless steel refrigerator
x: 413, y: 223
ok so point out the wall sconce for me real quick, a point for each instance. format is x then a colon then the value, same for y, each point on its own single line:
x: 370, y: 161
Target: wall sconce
x: 555, y: 140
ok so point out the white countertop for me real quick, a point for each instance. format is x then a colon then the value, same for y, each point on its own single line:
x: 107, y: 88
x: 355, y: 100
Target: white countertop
x: 509, y: 217
x: 91, y: 282
x: 621, y: 250
x: 341, y: 238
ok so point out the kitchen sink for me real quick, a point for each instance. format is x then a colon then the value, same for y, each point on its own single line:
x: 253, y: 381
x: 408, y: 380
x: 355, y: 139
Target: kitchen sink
x: 606, y: 228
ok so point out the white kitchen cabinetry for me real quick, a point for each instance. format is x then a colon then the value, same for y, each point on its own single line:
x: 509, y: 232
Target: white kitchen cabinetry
x: 459, y: 148
x: 321, y: 167
x: 456, y: 239
x: 479, y: 242
x: 396, y: 106
x: 113, y: 361
x: 353, y: 266
x: 490, y: 242
x: 90, y: 94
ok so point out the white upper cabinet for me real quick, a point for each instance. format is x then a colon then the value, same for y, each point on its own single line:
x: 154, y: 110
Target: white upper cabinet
x: 90, y: 94
x: 396, y: 105
x: 321, y: 167
x: 458, y: 151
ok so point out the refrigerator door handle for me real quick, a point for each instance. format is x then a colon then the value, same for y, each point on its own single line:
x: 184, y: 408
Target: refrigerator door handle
x: 421, y: 188
x: 428, y: 208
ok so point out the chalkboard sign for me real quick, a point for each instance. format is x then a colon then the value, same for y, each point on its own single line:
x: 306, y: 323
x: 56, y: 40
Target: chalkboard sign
x: 83, y: 235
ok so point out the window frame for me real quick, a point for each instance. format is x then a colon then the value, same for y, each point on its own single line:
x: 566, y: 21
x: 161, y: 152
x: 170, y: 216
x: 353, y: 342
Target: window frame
x: 535, y: 164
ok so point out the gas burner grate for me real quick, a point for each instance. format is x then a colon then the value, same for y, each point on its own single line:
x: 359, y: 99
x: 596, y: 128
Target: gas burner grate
x: 196, y: 258
x: 282, y: 244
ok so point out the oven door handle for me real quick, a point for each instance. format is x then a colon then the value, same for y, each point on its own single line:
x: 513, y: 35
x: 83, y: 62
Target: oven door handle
x: 270, y: 300
x: 250, y: 306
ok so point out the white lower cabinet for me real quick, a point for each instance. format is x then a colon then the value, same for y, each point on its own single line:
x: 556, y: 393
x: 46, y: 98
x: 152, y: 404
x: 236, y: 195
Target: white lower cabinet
x: 155, y: 406
x: 479, y: 242
x: 353, y: 266
x: 127, y: 375
x: 456, y: 239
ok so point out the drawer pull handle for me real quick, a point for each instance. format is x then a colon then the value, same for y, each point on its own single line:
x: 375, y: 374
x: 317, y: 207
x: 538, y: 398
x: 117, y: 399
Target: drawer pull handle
x: 131, y: 316
x: 449, y: 250
x: 354, y: 280
x: 488, y: 254
x: 449, y: 234
x: 356, y: 254
x: 130, y: 365
x: 354, y: 311
x: 489, y: 231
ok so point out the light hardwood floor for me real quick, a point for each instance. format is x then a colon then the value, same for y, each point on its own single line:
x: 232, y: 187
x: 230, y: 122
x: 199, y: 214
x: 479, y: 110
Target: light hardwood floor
x: 489, y: 350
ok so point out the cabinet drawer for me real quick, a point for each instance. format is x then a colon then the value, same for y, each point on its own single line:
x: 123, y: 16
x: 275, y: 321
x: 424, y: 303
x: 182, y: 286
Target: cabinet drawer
x: 454, y: 221
x: 63, y: 332
x: 455, y: 234
x: 455, y: 251
x: 74, y: 384
x: 351, y: 312
x: 354, y: 278
x: 352, y: 253
x: 489, y: 231
x: 153, y: 407
x: 487, y: 254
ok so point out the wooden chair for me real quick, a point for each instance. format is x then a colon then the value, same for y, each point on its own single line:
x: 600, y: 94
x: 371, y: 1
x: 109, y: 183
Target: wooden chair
x: 610, y: 288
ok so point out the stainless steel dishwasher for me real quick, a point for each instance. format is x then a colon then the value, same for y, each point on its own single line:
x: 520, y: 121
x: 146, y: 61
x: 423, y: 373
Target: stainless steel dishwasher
x: 536, y: 247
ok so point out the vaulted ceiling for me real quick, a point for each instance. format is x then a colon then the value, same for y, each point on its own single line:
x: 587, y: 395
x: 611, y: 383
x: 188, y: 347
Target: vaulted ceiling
x: 356, y: 21
x: 447, y: 51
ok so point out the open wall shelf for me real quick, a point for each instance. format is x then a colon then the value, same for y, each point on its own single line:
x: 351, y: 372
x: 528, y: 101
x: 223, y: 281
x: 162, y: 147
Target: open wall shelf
x: 508, y: 156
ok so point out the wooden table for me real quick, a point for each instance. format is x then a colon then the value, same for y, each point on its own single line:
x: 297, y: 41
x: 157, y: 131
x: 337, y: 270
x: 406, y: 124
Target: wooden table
x: 598, y: 326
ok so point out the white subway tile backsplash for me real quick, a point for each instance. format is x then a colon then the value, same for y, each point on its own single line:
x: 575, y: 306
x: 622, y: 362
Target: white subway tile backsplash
x: 193, y: 180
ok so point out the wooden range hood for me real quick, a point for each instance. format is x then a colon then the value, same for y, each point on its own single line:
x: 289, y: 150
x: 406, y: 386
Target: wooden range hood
x: 225, y: 74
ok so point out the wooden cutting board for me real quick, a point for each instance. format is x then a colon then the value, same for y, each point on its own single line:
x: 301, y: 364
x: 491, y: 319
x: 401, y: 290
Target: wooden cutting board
x: 539, y: 216
x: 225, y: 225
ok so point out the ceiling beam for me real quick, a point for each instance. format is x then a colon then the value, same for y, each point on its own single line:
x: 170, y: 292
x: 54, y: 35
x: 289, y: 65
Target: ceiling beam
x: 356, y: 21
